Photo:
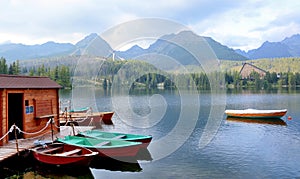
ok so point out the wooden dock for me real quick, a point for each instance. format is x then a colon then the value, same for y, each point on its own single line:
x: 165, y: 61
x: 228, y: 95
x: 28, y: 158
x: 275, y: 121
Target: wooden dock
x: 10, y: 149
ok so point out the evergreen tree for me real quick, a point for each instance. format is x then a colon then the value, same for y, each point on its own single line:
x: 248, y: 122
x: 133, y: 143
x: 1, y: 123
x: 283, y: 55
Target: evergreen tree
x: 3, y: 66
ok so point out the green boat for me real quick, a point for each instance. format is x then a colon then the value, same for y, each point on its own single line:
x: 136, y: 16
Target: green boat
x: 145, y: 139
x: 104, y: 147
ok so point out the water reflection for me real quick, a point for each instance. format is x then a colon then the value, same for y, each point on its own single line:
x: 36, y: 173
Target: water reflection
x: 273, y: 121
x: 29, y: 167
x: 115, y: 165
x: 144, y: 155
x: 50, y: 171
x: 124, y: 164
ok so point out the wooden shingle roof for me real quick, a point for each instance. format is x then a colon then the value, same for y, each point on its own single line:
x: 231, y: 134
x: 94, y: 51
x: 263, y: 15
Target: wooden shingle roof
x: 16, y: 81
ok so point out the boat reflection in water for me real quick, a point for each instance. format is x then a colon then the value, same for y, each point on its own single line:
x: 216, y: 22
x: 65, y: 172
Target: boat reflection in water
x: 125, y: 164
x: 273, y: 121
x: 115, y: 165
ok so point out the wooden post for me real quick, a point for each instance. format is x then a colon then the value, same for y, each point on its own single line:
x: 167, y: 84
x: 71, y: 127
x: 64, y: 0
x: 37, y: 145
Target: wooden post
x: 52, y: 128
x: 72, y: 124
x: 16, y: 138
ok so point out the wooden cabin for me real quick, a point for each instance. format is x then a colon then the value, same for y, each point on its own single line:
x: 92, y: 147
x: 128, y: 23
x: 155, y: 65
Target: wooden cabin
x: 29, y: 103
x: 248, y: 68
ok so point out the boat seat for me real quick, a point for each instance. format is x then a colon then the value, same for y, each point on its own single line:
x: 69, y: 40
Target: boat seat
x: 68, y: 153
x: 103, y: 143
x: 119, y: 137
x: 51, y: 149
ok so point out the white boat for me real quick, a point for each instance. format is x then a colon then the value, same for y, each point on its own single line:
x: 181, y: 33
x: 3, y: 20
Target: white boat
x: 256, y: 113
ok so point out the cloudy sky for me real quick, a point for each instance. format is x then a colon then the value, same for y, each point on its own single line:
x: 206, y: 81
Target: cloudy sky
x: 243, y: 24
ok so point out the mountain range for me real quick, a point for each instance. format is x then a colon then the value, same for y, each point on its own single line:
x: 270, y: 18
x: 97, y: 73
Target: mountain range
x: 93, y: 44
x: 289, y: 47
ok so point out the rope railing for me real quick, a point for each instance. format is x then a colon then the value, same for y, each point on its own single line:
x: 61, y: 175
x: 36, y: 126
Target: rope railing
x: 10, y: 130
x: 34, y: 133
x: 20, y: 131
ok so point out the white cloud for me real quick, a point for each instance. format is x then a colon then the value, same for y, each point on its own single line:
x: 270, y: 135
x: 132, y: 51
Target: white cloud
x: 244, y: 24
x: 252, y: 24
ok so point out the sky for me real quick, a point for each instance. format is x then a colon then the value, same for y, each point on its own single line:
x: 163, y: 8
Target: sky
x: 238, y: 24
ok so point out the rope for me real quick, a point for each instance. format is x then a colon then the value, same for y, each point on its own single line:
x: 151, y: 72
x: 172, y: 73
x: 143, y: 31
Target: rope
x: 10, y: 130
x: 82, y: 119
x: 32, y: 133
x: 19, y: 130
x: 91, y: 122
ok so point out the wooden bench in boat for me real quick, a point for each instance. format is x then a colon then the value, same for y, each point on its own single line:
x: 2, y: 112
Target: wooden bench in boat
x: 103, y: 143
x: 68, y: 153
x: 119, y: 137
x: 51, y: 149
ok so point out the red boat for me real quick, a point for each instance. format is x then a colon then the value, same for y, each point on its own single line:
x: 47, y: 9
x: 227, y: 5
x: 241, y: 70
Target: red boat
x: 85, y: 119
x: 63, y: 155
x: 104, y: 117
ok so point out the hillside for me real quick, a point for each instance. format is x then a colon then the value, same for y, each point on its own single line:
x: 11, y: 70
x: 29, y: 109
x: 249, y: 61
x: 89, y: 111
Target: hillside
x: 277, y: 65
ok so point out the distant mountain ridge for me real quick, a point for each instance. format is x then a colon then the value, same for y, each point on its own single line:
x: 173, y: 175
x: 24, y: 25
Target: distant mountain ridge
x: 166, y: 45
x: 13, y: 51
x: 289, y: 47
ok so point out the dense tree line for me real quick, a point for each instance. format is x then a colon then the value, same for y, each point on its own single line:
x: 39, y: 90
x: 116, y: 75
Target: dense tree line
x: 141, y: 74
x: 60, y: 74
x: 137, y: 74
x: 12, y: 69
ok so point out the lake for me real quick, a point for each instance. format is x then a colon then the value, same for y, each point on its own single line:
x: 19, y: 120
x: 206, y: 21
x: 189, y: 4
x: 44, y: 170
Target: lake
x: 193, y: 139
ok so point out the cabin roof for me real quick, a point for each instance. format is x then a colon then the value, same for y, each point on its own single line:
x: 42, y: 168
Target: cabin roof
x: 16, y: 81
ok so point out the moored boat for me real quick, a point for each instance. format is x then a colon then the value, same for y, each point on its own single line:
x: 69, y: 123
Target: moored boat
x: 63, y: 155
x: 86, y: 119
x: 145, y: 139
x: 96, y: 117
x: 79, y: 110
x: 255, y: 113
x: 105, y: 147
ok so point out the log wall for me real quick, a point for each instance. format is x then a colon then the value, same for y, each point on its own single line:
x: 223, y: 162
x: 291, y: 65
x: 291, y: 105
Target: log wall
x: 38, y: 104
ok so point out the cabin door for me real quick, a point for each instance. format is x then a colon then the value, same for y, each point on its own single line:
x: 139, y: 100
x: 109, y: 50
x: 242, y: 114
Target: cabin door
x: 15, y: 113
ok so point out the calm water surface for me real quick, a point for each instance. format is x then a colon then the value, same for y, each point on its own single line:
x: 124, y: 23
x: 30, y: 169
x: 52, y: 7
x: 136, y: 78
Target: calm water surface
x: 238, y: 150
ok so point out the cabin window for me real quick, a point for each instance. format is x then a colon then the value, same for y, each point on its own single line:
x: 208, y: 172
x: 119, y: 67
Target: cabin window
x: 26, y: 103
x: 29, y: 109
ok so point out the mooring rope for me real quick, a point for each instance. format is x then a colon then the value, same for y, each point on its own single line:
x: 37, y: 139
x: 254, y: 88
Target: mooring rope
x: 20, y: 131
x: 83, y: 119
x: 91, y: 122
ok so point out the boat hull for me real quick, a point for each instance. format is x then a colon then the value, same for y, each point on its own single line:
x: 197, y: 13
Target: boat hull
x: 252, y: 113
x: 105, y: 147
x: 130, y: 151
x: 144, y: 139
x: 54, y: 158
x: 83, y: 119
x: 97, y: 117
